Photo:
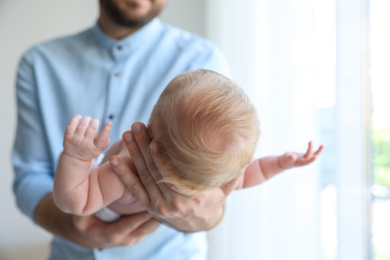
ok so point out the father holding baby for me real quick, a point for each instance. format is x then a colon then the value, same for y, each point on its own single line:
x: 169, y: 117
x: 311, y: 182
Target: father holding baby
x: 114, y: 71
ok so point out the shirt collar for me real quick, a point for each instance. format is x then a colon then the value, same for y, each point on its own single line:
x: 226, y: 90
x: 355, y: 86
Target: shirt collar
x: 131, y: 42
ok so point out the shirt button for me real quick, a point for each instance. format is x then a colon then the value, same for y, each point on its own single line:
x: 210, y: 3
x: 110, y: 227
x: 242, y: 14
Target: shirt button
x: 116, y: 74
x: 111, y: 116
x: 119, y: 47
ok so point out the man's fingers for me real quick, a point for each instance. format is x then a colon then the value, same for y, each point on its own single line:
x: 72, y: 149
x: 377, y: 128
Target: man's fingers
x: 158, y: 164
x: 84, y: 223
x: 126, y: 230
x: 94, y: 230
x: 129, y: 179
x: 141, y: 231
x: 127, y: 224
x: 143, y: 140
x: 140, y: 163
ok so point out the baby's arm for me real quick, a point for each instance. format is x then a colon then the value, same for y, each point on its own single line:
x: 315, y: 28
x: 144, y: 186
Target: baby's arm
x: 76, y: 188
x: 265, y: 168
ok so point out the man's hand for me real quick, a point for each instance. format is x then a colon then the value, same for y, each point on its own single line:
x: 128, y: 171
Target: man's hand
x: 90, y: 232
x: 127, y: 231
x: 202, y: 211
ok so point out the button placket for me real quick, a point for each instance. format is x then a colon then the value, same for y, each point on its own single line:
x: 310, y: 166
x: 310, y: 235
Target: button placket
x: 113, y: 95
x: 119, y: 50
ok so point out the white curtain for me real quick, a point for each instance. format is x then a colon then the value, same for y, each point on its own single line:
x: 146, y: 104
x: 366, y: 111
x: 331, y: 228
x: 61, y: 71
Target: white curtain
x: 289, y: 55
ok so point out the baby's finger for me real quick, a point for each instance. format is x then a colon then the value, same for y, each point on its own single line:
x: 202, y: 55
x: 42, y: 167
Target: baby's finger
x: 319, y: 150
x: 304, y: 162
x: 102, y: 140
x: 83, y: 125
x: 72, y: 125
x: 309, y: 152
x: 93, y: 128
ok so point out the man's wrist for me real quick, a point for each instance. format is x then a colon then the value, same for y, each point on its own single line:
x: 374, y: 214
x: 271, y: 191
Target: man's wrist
x: 52, y: 219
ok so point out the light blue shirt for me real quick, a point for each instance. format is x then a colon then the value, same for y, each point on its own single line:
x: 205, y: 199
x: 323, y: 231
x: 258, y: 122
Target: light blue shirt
x: 119, y: 81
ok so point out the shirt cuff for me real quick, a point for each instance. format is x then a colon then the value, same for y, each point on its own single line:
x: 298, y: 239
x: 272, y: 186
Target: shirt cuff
x: 30, y: 191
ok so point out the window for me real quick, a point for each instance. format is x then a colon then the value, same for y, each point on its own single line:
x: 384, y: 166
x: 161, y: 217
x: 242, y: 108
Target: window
x: 380, y: 128
x: 317, y: 70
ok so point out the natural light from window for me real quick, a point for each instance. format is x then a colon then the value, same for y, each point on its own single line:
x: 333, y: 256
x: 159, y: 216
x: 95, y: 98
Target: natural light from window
x: 380, y: 127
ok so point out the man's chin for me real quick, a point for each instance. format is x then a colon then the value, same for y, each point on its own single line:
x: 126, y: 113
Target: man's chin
x: 133, y: 15
x: 132, y: 23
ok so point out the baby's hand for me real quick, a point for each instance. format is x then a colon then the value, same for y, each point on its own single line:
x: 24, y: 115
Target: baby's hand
x: 80, y: 140
x: 294, y: 159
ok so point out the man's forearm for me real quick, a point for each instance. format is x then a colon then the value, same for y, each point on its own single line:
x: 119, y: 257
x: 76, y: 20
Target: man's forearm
x: 52, y: 219
x: 90, y: 232
x: 58, y: 223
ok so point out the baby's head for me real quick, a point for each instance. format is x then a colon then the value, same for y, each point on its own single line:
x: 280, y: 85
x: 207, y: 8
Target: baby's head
x: 206, y: 128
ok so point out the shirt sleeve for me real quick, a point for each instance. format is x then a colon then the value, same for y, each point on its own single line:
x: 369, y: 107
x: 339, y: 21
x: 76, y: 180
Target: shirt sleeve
x: 30, y: 156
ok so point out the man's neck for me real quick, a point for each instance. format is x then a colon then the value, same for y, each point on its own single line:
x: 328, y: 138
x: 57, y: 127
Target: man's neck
x: 112, y: 29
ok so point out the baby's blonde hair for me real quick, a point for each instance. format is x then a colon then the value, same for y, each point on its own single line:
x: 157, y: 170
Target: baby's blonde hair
x: 206, y: 127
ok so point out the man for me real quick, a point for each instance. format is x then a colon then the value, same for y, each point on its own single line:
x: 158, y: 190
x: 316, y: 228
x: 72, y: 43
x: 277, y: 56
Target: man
x: 114, y: 71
